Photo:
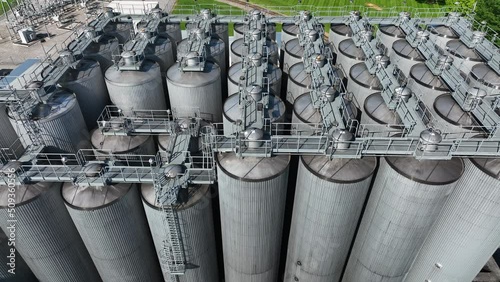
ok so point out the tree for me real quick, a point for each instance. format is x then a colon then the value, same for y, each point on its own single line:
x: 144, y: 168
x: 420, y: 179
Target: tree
x: 489, y: 10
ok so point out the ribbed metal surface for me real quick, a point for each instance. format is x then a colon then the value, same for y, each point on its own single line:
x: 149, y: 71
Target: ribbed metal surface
x: 451, y: 115
x: 329, y: 198
x: 216, y: 53
x: 349, y: 55
x: 293, y: 54
x: 464, y: 57
x: 237, y: 49
x: 45, y: 235
x: 135, y: 144
x: 362, y: 83
x: 9, y: 135
x: 173, y: 32
x: 441, y: 34
x: 87, y: 82
x: 339, y: 33
x: 112, y: 223
x: 197, y: 230
x: 61, y: 123
x: 426, y: 85
x: 484, y: 77
x: 274, y: 75
x: 467, y: 231
x: 136, y: 90
x: 405, y: 56
x: 200, y: 90
x: 162, y: 53
x: 298, y: 82
x: 101, y: 51
x: 405, y: 201
x: 22, y: 273
x: 388, y: 34
x: 122, y: 31
x: 252, y: 193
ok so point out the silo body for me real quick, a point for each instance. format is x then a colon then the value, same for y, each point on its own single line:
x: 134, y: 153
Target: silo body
x: 305, y: 118
x: 452, y: 117
x: 237, y: 51
x: 339, y: 33
x: 328, y: 202
x: 406, y: 199
x: 9, y: 136
x: 22, y: 273
x: 112, y: 224
x: 441, y: 34
x: 136, y: 90
x: 61, y: 123
x: 375, y: 111
x: 222, y: 31
x: 467, y: 231
x: 119, y: 144
x: 273, y: 74
x: 426, y: 85
x: 293, y: 54
x: 252, y: 195
x: 298, y: 82
x: 201, y: 90
x: 102, y: 51
x: 197, y: 231
x: 388, y: 34
x: 484, y: 77
x: 362, y: 83
x: 122, y: 31
x: 349, y: 55
x: 289, y: 32
x: 162, y: 53
x: 216, y: 52
x: 464, y: 58
x: 87, y: 82
x: 405, y: 56
x: 241, y: 28
x: 46, y: 237
x: 173, y: 32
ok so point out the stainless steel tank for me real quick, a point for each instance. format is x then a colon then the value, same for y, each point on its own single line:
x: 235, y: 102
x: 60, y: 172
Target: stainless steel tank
x: 329, y: 198
x: 274, y: 75
x: 22, y: 273
x: 216, y: 52
x: 388, y: 34
x: 294, y: 53
x: 46, y: 237
x: 122, y: 31
x: 241, y: 28
x: 9, y: 138
x: 136, y: 90
x: 114, y: 228
x: 464, y: 58
x: 484, y: 77
x: 289, y: 32
x: 60, y: 121
x: 405, y: 56
x: 87, y: 82
x: 161, y: 52
x: 252, y: 195
x: 197, y: 231
x: 191, y: 90
x: 362, y: 83
x: 173, y: 32
x: 467, y: 231
x: 426, y: 85
x: 452, y: 118
x: 119, y: 144
x: 237, y: 51
x: 441, y: 34
x: 349, y: 55
x: 339, y: 33
x: 102, y: 51
x: 376, y: 112
x: 406, y: 199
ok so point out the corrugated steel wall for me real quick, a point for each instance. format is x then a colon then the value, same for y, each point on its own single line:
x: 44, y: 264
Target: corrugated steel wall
x: 22, y: 273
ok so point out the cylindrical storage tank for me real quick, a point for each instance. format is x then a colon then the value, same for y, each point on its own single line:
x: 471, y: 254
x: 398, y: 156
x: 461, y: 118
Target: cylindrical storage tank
x: 45, y: 236
x: 8, y: 138
x: 22, y: 273
x: 199, y: 90
x: 349, y: 55
x: 136, y: 90
x: 362, y: 83
x: 273, y: 74
x: 467, y: 231
x: 195, y: 143
x: 232, y: 112
x: 329, y: 197
x: 339, y: 33
x: 87, y: 82
x: 426, y: 85
x: 216, y: 52
x: 113, y: 226
x: 406, y: 199
x: 102, y: 51
x: 241, y: 28
x: 197, y: 231
x: 294, y: 54
x: 60, y: 121
x: 122, y: 31
x: 161, y: 52
x: 119, y: 144
x: 306, y: 118
x: 464, y: 58
x: 237, y: 51
x: 222, y: 31
x: 484, y: 77
x: 388, y: 34
x: 252, y: 195
x: 289, y: 32
x: 452, y: 118
x: 376, y: 112
x: 173, y: 32
x: 298, y: 82
x: 405, y: 56
x: 441, y: 34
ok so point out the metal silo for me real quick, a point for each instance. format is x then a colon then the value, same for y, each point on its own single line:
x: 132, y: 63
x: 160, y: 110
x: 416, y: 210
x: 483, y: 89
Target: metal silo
x: 293, y: 54
x: 9, y: 135
x: 87, y: 82
x: 237, y: 51
x: 196, y: 228
x: 120, y: 144
x: 388, y: 34
x: 289, y: 32
x: 102, y: 50
x: 467, y: 231
x: 122, y: 31
x: 22, y: 273
x: 465, y: 58
x: 136, y: 90
x: 252, y: 195
x: 375, y: 111
x: 165, y: 142
x: 426, y: 85
x: 484, y: 77
x: 349, y: 55
x: 60, y: 121
x: 241, y: 28
x: 441, y: 34
x: 329, y: 198
x: 405, y: 56
x: 406, y: 199
x: 46, y: 237
x: 452, y: 117
x: 161, y: 52
x: 362, y: 83
x: 113, y: 226
x: 339, y: 33
x: 274, y: 75
x: 193, y: 89
x: 298, y: 82
x: 173, y: 32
